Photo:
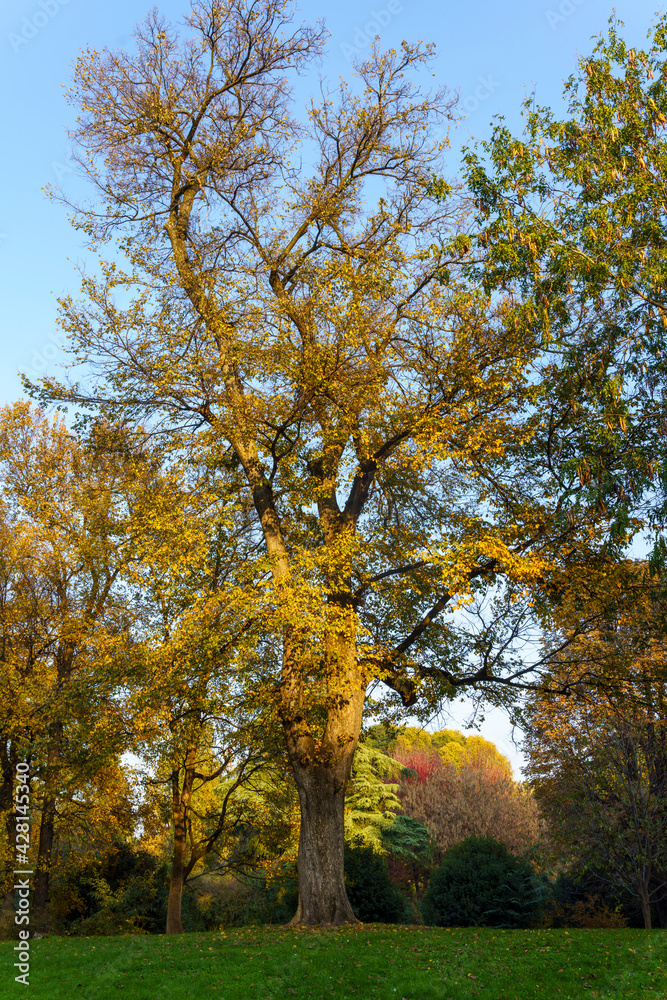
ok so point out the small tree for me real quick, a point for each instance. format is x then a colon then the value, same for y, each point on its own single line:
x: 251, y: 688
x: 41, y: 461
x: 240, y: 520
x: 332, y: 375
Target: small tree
x: 65, y: 545
x: 479, y: 883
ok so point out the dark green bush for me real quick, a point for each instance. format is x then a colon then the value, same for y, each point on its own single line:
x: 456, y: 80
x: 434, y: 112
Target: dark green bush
x: 372, y: 896
x: 123, y: 891
x: 479, y: 883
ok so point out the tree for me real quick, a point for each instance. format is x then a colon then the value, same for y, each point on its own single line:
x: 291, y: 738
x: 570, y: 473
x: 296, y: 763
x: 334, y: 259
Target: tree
x: 371, y: 803
x: 475, y: 798
x: 66, y: 500
x: 572, y: 222
x: 297, y: 312
x: 452, y: 747
x: 597, y: 758
x: 479, y: 883
x: 22, y: 616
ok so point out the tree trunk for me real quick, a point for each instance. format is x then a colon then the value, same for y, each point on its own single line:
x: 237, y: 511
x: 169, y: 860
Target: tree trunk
x: 47, y: 822
x: 49, y: 804
x: 174, y: 922
x: 322, y: 894
x: 46, y: 833
x: 646, y: 906
x: 181, y: 800
x: 322, y: 771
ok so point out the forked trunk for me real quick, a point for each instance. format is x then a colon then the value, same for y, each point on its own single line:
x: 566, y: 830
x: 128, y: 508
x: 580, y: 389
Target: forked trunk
x: 322, y: 895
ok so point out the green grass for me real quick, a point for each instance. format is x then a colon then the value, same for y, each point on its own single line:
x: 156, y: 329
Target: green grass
x: 374, y: 962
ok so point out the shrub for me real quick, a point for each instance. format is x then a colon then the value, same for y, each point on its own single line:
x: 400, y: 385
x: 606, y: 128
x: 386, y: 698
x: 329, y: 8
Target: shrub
x: 372, y: 896
x: 123, y: 891
x: 479, y: 883
x: 581, y: 897
x: 590, y: 913
x: 237, y: 902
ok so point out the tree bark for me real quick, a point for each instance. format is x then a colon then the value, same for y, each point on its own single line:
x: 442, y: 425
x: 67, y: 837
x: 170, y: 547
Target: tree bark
x: 46, y: 835
x: 646, y: 906
x: 181, y: 800
x: 47, y: 822
x: 322, y: 771
x: 322, y: 894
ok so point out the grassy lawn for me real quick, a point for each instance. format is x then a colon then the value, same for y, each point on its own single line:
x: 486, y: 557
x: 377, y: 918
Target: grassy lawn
x: 376, y: 962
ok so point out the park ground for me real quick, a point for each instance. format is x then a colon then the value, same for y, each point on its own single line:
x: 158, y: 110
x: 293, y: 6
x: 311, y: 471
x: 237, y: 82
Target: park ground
x: 373, y: 962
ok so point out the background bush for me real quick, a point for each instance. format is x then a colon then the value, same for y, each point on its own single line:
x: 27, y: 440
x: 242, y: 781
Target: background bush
x: 479, y: 883
x: 372, y: 896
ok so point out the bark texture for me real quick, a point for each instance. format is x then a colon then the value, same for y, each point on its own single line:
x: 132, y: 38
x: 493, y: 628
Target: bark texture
x: 322, y: 894
x: 322, y: 771
x: 48, y: 821
x: 181, y: 801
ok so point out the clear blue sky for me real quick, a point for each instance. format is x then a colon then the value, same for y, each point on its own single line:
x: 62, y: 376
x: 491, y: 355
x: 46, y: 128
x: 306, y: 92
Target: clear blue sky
x: 493, y: 53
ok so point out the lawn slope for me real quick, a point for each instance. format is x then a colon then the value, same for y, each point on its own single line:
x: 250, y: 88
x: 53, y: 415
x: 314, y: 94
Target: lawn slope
x: 375, y: 962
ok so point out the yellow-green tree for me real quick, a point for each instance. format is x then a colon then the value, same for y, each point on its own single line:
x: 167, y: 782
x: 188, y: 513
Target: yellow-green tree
x: 65, y: 545
x: 296, y: 313
x: 194, y: 703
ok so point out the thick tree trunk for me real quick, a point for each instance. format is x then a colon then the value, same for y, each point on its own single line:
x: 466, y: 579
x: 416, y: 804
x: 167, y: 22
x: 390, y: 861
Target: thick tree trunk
x: 322, y: 771
x: 322, y: 895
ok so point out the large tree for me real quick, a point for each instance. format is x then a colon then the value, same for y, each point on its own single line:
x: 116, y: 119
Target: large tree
x: 572, y: 221
x: 291, y: 306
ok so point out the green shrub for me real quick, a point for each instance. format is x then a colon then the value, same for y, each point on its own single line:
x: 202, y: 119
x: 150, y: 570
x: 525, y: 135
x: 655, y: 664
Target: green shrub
x: 230, y: 901
x: 372, y: 896
x: 479, y: 883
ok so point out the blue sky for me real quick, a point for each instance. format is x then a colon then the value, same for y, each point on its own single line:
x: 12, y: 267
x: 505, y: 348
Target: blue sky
x: 494, y: 54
